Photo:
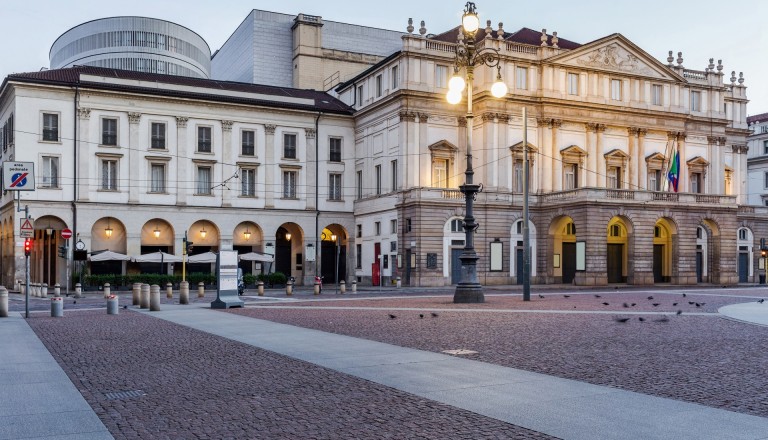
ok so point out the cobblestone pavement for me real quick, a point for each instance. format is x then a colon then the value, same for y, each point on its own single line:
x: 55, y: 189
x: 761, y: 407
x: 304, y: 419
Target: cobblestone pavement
x: 197, y: 385
x: 698, y: 356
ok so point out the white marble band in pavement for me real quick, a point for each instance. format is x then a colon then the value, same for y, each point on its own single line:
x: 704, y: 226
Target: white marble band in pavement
x: 563, y: 408
x: 37, y: 399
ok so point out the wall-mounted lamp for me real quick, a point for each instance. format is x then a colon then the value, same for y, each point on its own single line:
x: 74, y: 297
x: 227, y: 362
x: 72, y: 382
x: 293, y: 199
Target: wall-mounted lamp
x: 48, y: 230
x: 156, y: 232
x: 334, y: 237
x: 203, y: 232
x: 288, y: 236
x: 108, y: 231
x: 247, y: 234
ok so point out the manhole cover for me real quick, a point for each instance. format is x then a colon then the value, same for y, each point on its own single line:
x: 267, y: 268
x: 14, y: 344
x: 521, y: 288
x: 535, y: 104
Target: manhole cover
x: 459, y: 351
x: 124, y: 394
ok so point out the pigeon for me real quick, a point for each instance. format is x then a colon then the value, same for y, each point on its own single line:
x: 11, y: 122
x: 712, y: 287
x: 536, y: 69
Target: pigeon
x: 605, y: 303
x: 391, y: 316
x: 434, y: 315
x: 679, y: 312
x: 625, y: 305
x: 598, y: 296
x: 421, y: 315
x: 617, y: 319
x: 125, y: 307
x: 684, y: 295
x: 761, y: 300
x: 566, y: 296
x: 698, y: 305
x: 655, y: 304
x: 690, y: 303
x: 541, y: 296
x: 662, y: 319
x: 674, y: 304
x: 633, y: 304
x: 74, y: 302
x: 650, y: 298
x: 641, y: 319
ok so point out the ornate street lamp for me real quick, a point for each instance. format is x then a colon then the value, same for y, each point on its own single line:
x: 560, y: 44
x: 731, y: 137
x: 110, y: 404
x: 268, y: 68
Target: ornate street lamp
x: 468, y: 56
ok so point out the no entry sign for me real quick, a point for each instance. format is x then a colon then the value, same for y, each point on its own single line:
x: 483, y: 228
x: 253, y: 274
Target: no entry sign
x: 66, y: 234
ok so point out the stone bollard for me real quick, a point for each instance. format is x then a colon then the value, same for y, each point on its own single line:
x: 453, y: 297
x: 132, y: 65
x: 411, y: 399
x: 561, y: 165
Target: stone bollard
x: 261, y: 288
x: 184, y: 292
x: 22, y: 289
x: 354, y: 286
x: 57, y: 289
x: 169, y: 290
x: 78, y: 290
x: 200, y: 289
x: 44, y: 290
x: 154, y: 298
x: 3, y: 302
x: 342, y: 287
x: 57, y: 307
x: 107, y: 290
x: 113, y: 305
x: 317, y: 287
x: 136, y: 294
x: 35, y: 290
x: 399, y: 284
x: 144, y: 303
x: 288, y: 288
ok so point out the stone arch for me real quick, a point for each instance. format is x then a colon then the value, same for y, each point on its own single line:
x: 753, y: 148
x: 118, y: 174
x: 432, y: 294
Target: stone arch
x: 109, y: 233
x: 334, y: 242
x: 205, y: 235
x: 562, y: 238
x: 45, y: 265
x: 619, y: 265
x: 665, y: 251
x: 288, y: 248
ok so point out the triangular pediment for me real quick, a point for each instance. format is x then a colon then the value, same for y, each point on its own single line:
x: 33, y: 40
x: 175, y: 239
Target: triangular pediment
x: 518, y: 147
x: 697, y: 161
x: 616, y: 153
x: 443, y: 146
x: 615, y: 53
x: 655, y: 157
x: 573, y: 150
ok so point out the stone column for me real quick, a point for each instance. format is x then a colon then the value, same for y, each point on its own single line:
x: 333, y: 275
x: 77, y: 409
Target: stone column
x: 272, y: 185
x: 228, y: 167
x: 642, y: 171
x: 557, y: 164
x: 545, y: 164
x: 83, y: 155
x: 600, y: 158
x: 410, y: 169
x: 683, y: 185
x: 425, y: 166
x: 182, y: 161
x: 134, y: 156
x: 589, y: 135
x: 632, y: 162
x: 314, y: 182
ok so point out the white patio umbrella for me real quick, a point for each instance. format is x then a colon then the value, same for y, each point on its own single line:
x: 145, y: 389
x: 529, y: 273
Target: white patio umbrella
x: 108, y: 256
x: 157, y: 257
x: 205, y: 257
x: 255, y: 256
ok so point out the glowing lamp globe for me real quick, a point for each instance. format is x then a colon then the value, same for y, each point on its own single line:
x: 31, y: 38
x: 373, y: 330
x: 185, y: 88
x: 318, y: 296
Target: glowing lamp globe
x: 456, y: 83
x: 453, y: 97
x: 499, y: 89
x: 470, y: 22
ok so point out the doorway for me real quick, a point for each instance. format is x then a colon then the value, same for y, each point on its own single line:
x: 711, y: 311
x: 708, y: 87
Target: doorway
x: 569, y: 262
x: 615, y: 263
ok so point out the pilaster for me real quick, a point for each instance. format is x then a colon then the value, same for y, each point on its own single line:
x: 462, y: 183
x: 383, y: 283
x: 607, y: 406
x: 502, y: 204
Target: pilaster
x: 228, y: 167
x: 590, y: 130
x: 599, y: 130
x: 313, y: 180
x: 134, y: 156
x: 84, y: 155
x: 642, y: 171
x: 273, y: 185
x: 183, y: 164
x: 632, y: 163
x: 557, y: 164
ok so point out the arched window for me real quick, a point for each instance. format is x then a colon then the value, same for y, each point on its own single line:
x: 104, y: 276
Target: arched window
x: 457, y: 225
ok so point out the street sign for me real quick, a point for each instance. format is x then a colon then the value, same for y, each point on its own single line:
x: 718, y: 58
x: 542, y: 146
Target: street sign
x: 18, y: 176
x: 66, y: 234
x: 27, y: 228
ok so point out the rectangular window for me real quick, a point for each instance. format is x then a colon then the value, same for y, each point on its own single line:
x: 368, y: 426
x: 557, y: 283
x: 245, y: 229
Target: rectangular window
x: 109, y: 131
x: 765, y: 147
x: 51, y: 127
x: 616, y: 89
x: 440, y: 173
x: 289, y: 146
x: 521, y: 78
x: 247, y: 182
x: 395, y: 77
x: 393, y: 226
x: 441, y: 76
x: 203, y: 139
x: 377, y: 228
x: 393, y: 165
x: 109, y: 174
x: 359, y: 231
x: 654, y: 180
x: 573, y: 83
x: 158, y: 136
x: 696, y: 183
x: 289, y: 184
x: 614, y: 177
x: 359, y: 95
x: 656, y: 94
x: 571, y: 176
x: 359, y: 256
x: 50, y: 172
x: 247, y: 143
x: 695, y: 101
x: 204, y: 180
x: 359, y: 192
x: 379, y: 85
x: 334, y: 186
x: 378, y: 180
x: 518, y: 175
x: 157, y: 175
x: 334, y: 147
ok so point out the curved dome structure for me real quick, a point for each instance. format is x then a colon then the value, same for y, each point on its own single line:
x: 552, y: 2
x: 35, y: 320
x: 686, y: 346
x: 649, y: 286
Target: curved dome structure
x: 134, y: 43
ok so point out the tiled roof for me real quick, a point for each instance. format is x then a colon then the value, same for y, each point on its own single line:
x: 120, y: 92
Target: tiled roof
x: 762, y: 117
x: 523, y: 36
x: 201, y: 88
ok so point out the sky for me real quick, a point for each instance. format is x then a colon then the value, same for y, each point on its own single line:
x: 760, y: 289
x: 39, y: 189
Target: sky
x: 701, y: 29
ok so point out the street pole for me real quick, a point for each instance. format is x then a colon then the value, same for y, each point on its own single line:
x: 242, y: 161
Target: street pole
x: 526, y: 232
x: 337, y: 265
x: 26, y: 264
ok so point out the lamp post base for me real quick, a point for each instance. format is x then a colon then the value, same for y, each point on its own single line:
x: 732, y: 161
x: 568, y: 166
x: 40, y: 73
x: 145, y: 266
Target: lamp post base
x: 468, y: 293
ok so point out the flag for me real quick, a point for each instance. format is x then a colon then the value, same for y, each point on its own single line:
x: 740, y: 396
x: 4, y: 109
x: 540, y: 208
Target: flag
x: 674, y: 171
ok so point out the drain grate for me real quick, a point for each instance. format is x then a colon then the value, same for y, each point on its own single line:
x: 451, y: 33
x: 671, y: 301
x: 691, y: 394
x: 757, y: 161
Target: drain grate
x: 459, y: 351
x: 119, y: 395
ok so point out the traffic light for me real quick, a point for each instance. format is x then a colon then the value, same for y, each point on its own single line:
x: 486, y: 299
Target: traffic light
x: 63, y: 251
x: 27, y: 246
x: 189, y: 247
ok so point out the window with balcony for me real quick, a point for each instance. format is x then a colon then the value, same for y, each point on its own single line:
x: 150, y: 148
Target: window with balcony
x: 571, y: 176
x: 109, y: 174
x: 654, y: 180
x: 613, y: 178
x: 289, y: 184
x: 334, y: 186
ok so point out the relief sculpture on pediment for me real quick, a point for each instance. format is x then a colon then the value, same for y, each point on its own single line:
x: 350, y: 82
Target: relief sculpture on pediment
x: 614, y: 58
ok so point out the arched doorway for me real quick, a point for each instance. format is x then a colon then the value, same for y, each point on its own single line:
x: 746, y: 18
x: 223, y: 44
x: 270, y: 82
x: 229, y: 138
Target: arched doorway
x: 563, y: 232
x: 453, y: 245
x: 333, y: 253
x: 616, y: 252
x: 744, y: 243
x: 247, y: 238
x: 205, y: 237
x: 108, y: 234
x: 46, y: 265
x: 662, y: 250
x: 156, y: 235
x: 289, y: 258
x: 516, y: 244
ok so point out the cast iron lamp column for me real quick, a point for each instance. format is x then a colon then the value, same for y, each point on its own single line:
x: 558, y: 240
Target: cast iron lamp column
x: 469, y: 289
